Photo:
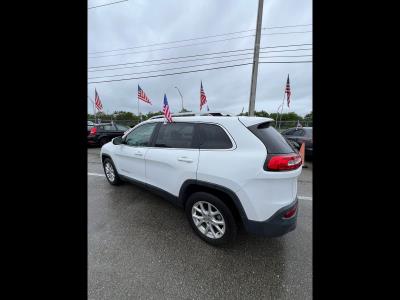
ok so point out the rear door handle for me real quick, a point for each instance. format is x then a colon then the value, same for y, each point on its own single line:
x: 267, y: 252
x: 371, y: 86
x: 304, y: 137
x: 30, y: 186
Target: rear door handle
x: 138, y: 153
x: 185, y: 159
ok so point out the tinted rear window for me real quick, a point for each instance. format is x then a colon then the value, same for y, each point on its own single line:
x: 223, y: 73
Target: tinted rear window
x: 213, y: 137
x: 175, y: 135
x: 271, y: 138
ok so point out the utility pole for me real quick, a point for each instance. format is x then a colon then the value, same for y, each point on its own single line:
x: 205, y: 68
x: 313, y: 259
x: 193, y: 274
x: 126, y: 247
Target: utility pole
x: 252, y: 101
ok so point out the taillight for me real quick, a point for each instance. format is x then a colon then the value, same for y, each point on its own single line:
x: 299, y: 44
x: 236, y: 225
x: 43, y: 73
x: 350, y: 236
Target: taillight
x: 93, y: 131
x: 290, y: 213
x: 284, y: 162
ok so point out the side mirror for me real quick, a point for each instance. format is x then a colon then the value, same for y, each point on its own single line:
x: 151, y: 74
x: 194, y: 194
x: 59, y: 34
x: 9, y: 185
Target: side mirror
x: 118, y: 140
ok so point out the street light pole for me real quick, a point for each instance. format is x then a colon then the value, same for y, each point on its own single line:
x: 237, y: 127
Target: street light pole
x: 181, y: 97
x: 255, y: 59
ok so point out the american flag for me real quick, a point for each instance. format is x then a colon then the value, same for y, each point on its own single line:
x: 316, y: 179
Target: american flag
x: 203, y: 98
x: 142, y: 96
x: 287, y: 91
x: 166, y: 110
x: 97, y: 101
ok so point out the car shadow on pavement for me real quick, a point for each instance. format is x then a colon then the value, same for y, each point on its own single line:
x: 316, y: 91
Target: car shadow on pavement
x: 153, y: 236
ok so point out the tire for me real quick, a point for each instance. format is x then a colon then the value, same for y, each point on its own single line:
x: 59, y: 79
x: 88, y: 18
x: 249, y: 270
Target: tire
x: 111, y: 172
x: 207, y: 230
x: 103, y: 141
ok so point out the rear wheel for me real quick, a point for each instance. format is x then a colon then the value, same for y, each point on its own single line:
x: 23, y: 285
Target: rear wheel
x: 210, y: 218
x: 111, y: 172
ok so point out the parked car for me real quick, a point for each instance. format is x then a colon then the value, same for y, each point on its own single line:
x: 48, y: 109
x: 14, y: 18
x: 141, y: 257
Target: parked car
x: 90, y: 125
x: 299, y: 136
x: 224, y: 171
x: 100, y: 134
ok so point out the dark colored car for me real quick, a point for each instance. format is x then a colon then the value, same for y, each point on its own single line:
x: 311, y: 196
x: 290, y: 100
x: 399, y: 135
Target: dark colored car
x: 90, y: 125
x: 299, y: 136
x: 100, y: 134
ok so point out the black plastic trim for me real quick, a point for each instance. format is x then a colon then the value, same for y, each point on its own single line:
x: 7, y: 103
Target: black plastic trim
x: 221, y: 188
x: 276, y: 225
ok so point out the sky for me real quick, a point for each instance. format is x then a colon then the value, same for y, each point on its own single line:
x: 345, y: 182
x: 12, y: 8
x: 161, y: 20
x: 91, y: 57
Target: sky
x: 136, y: 23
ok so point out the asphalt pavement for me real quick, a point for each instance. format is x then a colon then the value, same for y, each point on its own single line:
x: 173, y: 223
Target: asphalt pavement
x: 142, y: 247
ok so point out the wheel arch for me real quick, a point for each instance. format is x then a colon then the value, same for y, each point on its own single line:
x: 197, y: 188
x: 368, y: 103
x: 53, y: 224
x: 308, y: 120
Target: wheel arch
x: 226, y: 195
x: 104, y: 156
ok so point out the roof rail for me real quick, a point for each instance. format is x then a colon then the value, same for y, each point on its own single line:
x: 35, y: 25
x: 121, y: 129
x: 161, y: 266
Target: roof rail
x: 189, y: 114
x: 174, y: 115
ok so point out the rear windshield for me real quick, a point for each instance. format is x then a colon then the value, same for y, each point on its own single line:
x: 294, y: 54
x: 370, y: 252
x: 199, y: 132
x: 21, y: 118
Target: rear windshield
x: 271, y: 138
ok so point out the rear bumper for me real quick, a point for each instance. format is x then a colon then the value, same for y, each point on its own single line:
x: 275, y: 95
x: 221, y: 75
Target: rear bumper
x: 274, y: 226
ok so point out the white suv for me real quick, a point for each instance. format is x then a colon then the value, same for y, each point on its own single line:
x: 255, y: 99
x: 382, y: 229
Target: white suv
x: 223, y: 170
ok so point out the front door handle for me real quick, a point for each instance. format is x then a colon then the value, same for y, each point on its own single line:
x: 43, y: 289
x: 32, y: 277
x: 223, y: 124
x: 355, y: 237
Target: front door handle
x: 185, y: 159
x: 138, y: 153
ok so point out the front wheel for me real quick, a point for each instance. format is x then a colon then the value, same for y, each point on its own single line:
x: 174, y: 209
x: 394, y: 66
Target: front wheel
x: 210, y: 218
x: 111, y: 172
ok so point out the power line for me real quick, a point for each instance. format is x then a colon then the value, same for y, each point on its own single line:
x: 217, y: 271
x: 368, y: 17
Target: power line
x: 188, y: 60
x: 193, y: 39
x: 169, y: 69
x: 194, y: 71
x: 196, y: 59
x: 192, y: 66
x: 171, y: 62
x: 107, y: 4
x: 196, y: 55
x: 197, y: 44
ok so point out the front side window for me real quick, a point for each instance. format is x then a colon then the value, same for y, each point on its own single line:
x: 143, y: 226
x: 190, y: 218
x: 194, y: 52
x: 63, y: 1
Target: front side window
x: 175, y: 135
x: 140, y: 137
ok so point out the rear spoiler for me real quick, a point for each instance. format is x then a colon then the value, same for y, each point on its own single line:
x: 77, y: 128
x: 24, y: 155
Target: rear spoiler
x: 250, y: 121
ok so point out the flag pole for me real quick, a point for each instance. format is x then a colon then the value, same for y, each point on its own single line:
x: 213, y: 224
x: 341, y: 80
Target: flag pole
x: 94, y: 111
x: 281, y: 107
x: 138, y: 111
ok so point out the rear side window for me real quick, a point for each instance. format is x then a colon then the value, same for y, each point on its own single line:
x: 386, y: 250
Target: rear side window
x: 271, y: 138
x: 175, y: 135
x: 109, y: 127
x: 213, y: 137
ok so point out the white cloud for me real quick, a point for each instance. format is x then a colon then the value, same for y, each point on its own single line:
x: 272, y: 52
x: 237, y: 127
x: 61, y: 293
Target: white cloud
x: 136, y: 23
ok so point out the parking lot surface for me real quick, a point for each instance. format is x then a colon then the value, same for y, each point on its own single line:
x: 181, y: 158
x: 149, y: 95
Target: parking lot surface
x: 142, y: 247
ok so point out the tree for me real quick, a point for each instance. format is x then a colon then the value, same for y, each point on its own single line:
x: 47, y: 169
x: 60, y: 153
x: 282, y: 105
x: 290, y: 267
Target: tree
x: 262, y: 113
x: 308, y: 116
